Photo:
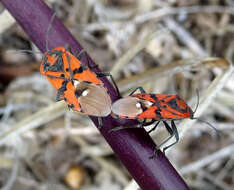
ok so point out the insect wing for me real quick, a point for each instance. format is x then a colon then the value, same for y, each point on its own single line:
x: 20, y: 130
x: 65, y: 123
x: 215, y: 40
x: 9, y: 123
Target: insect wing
x: 174, y: 107
x: 76, y: 70
x: 164, y: 107
x: 94, y: 99
x: 70, y: 97
x: 147, y: 97
x: 127, y: 107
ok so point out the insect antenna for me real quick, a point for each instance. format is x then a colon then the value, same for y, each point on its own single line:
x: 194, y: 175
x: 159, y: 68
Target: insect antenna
x: 198, y: 99
x: 47, y: 35
x: 48, y: 30
x: 216, y: 130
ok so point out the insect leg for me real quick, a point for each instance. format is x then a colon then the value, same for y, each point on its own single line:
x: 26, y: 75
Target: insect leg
x: 100, y: 123
x: 80, y: 56
x: 138, y: 88
x: 121, y: 127
x: 153, y: 127
x: 104, y: 74
x: 176, y: 136
x: 143, y: 124
x: 171, y: 132
x: 68, y: 48
x: 125, y: 127
x: 59, y: 93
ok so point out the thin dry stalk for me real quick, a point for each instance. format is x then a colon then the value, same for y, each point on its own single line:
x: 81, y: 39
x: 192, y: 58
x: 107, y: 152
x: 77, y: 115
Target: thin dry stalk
x: 13, y: 176
x: 223, y: 153
x: 104, y: 163
x: 35, y: 120
x: 5, y: 162
x: 132, y: 185
x: 164, y: 70
x: 185, y: 37
x: 136, y: 49
x: 6, y: 21
x: 218, y: 183
x: 165, y: 11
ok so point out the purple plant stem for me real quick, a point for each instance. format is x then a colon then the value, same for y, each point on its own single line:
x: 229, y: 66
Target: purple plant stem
x: 132, y: 146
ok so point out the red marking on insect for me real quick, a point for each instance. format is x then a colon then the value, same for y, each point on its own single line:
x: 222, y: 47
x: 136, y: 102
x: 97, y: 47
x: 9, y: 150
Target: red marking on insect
x: 76, y: 83
x: 152, y: 106
x: 60, y: 63
x: 157, y: 108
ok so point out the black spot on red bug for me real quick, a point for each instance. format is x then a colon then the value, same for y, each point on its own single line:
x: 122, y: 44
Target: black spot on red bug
x: 78, y: 70
x: 152, y: 96
x: 63, y: 88
x: 173, y: 103
x: 60, y: 67
x: 78, y: 92
x: 158, y: 113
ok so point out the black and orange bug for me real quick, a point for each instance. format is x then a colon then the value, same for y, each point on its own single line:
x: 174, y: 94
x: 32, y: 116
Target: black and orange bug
x: 76, y: 83
x: 156, y: 108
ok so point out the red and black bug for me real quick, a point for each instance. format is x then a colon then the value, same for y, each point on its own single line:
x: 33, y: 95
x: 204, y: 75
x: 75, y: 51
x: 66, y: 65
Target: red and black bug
x: 155, y: 107
x: 76, y: 83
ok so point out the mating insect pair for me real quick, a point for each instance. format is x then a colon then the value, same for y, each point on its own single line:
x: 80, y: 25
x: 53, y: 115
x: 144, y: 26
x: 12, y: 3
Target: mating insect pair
x: 83, y: 91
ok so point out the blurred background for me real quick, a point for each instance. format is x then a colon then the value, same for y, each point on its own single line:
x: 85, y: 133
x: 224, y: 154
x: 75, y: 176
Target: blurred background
x: 166, y: 46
